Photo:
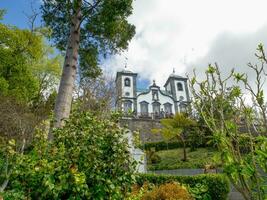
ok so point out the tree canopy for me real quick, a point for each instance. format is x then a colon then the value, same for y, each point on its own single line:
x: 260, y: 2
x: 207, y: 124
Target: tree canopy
x: 104, y: 28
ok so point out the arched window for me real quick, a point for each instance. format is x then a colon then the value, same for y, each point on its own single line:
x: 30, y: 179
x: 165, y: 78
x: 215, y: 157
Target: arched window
x: 127, y: 106
x: 144, y: 107
x: 127, y: 82
x: 168, y: 108
x: 180, y: 87
x: 156, y: 108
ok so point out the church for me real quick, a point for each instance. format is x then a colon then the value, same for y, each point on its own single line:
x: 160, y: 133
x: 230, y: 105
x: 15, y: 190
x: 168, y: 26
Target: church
x: 153, y: 102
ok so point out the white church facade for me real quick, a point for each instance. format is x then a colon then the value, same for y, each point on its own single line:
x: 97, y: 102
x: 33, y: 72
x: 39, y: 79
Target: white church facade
x: 152, y: 102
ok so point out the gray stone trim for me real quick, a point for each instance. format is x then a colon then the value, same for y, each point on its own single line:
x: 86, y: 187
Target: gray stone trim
x: 186, y: 90
x: 118, y: 104
x: 143, y: 102
x: 168, y: 103
x: 134, y: 92
x: 173, y: 89
x: 155, y: 102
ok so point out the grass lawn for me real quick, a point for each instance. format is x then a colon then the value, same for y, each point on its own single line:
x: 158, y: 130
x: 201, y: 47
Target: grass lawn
x: 171, y: 159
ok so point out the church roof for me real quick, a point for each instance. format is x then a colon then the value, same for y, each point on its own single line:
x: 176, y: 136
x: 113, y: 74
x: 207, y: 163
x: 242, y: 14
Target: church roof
x: 126, y: 71
x: 174, y: 76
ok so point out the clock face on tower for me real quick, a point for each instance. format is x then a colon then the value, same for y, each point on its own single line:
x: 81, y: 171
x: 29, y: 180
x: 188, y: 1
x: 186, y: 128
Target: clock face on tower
x: 181, y: 98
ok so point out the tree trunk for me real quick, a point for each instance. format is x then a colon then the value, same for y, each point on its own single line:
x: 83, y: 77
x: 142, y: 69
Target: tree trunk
x: 184, y: 148
x: 64, y: 97
x: 180, y: 136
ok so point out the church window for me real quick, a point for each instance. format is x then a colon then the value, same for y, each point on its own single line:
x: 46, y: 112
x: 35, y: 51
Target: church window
x: 180, y: 87
x: 144, y: 108
x: 127, y: 94
x: 182, y: 108
x: 127, y: 106
x: 127, y: 82
x: 168, y: 108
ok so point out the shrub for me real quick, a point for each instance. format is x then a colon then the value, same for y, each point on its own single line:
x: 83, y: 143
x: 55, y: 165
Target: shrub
x: 168, y: 191
x: 217, y: 185
x: 152, y: 156
x: 88, y: 159
x: 163, y: 145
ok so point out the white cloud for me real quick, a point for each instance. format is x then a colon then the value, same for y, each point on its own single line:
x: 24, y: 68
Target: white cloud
x: 176, y: 33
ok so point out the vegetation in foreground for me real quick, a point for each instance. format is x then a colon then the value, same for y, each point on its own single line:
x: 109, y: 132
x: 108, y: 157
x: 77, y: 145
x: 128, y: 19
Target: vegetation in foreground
x: 201, y: 187
x: 221, y: 104
x: 171, y: 159
x: 88, y: 159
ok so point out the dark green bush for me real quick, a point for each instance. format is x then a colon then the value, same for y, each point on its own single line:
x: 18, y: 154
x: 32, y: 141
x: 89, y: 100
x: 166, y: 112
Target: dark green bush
x: 217, y: 184
x: 163, y: 145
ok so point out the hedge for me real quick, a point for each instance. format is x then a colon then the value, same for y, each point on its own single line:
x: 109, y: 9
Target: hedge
x: 162, y: 145
x: 218, y: 184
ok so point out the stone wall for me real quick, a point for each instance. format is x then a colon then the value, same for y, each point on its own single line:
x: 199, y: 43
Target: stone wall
x: 144, y: 127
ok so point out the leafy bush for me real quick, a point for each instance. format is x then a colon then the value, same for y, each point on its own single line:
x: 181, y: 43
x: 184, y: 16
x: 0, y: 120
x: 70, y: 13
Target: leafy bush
x: 217, y: 185
x: 168, y: 191
x: 152, y: 156
x: 199, y: 191
x: 88, y: 159
x: 163, y: 145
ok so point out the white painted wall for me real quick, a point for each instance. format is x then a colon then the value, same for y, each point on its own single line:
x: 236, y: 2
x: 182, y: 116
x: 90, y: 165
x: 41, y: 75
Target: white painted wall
x: 148, y: 98
x: 127, y: 89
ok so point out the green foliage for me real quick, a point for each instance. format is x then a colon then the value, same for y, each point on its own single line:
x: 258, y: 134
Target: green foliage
x: 162, y: 145
x: 29, y: 69
x: 216, y: 186
x: 88, y: 159
x: 152, y: 157
x: 170, y: 159
x: 238, y: 129
x: 165, y: 145
x: 2, y: 13
x: 168, y: 191
x: 177, y: 127
x: 18, y: 50
x: 199, y: 191
x: 104, y: 28
x: 29, y: 73
x: 261, y: 151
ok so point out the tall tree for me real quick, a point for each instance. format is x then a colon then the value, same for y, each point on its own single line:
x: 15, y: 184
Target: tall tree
x: 29, y: 72
x: 18, y: 50
x: 177, y: 127
x: 85, y: 30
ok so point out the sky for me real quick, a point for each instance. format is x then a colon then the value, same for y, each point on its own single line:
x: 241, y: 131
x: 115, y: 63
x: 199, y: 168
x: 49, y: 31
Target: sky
x: 181, y: 35
x: 188, y: 34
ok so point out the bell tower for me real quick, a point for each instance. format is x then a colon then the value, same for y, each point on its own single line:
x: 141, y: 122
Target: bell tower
x: 177, y: 87
x: 126, y: 91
